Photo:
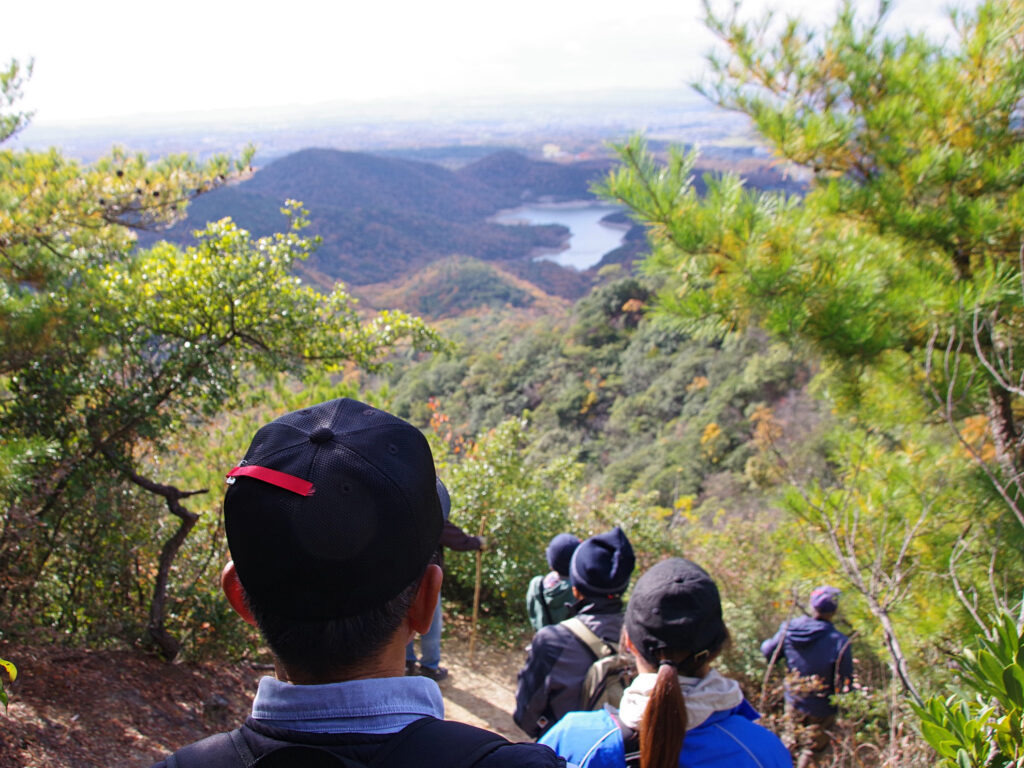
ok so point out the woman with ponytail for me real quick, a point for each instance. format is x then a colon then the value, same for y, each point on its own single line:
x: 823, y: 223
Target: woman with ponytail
x: 678, y: 711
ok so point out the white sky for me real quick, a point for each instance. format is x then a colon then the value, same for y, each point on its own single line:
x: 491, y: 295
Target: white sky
x: 113, y: 58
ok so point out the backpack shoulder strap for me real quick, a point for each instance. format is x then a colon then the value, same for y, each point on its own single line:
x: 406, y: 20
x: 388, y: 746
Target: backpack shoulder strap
x: 426, y: 743
x: 539, y: 594
x: 586, y: 635
x: 630, y: 742
x: 432, y: 743
x: 222, y: 750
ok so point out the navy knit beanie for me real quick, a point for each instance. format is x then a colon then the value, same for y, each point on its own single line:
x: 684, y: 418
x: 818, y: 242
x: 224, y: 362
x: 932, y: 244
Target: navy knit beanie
x: 560, y: 551
x: 602, y: 564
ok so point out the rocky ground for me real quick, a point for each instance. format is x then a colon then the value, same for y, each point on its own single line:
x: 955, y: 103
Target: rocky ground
x: 124, y: 709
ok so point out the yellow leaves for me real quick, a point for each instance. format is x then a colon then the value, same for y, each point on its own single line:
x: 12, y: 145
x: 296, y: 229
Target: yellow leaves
x: 709, y: 439
x: 698, y: 383
x: 684, y: 504
x: 711, y: 432
x: 975, y: 432
x: 767, y: 429
x: 12, y: 671
x: 589, y: 402
x: 975, y: 428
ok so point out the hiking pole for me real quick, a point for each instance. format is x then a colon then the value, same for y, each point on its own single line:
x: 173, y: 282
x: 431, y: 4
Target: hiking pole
x: 476, y: 590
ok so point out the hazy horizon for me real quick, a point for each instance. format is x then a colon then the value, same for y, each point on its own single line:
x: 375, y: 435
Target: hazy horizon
x: 111, y: 60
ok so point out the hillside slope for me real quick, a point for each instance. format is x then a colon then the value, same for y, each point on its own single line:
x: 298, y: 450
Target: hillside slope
x: 124, y: 709
x: 382, y: 218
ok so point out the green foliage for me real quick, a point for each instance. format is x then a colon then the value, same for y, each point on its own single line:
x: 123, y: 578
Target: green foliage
x: 517, y: 504
x: 11, y: 81
x: 115, y: 357
x: 643, y: 406
x: 983, y: 725
x: 458, y: 285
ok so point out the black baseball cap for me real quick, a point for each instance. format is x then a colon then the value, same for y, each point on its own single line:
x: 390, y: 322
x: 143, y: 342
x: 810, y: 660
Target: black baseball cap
x: 333, y: 511
x: 675, y: 606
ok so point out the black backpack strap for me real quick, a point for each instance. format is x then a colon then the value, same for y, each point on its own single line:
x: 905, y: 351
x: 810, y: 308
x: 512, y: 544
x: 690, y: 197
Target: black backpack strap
x: 425, y: 743
x: 630, y: 742
x: 242, y: 747
x: 222, y: 750
x: 433, y: 743
x: 548, y: 618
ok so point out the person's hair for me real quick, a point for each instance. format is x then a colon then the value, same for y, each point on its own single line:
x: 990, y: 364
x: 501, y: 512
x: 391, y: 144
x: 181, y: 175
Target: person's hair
x: 663, y: 726
x: 332, y: 649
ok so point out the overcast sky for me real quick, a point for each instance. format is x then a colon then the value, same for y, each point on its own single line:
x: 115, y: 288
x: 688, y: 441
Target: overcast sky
x: 113, y: 58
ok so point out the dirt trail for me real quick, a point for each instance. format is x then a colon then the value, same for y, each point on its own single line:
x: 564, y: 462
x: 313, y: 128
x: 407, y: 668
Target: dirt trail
x: 122, y: 709
x: 481, y: 691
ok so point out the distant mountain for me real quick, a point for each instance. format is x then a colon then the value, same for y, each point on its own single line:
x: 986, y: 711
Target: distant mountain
x: 347, y: 180
x: 382, y: 218
x: 522, y: 180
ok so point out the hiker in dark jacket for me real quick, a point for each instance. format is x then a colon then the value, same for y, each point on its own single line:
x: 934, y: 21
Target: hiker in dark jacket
x: 549, y: 597
x: 812, y: 646
x: 452, y: 537
x: 557, y: 661
x: 333, y: 521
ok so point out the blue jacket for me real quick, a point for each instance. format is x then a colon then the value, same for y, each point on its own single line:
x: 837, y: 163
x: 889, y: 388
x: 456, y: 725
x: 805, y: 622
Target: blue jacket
x: 813, y: 647
x: 728, y: 739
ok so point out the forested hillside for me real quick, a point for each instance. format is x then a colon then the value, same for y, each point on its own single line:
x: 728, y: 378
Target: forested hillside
x: 380, y: 218
x: 801, y: 383
x: 383, y: 218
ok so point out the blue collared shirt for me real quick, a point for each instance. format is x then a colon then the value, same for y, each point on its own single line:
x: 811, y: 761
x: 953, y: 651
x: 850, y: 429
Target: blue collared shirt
x: 374, y: 705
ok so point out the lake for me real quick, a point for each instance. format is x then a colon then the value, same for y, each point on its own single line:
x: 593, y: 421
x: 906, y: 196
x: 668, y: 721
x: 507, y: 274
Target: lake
x: 589, y: 239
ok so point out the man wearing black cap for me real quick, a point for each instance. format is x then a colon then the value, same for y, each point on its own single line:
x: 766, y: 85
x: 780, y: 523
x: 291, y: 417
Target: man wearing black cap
x: 551, y: 681
x: 333, y: 522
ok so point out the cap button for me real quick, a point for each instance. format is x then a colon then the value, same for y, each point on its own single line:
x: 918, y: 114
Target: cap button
x: 321, y: 435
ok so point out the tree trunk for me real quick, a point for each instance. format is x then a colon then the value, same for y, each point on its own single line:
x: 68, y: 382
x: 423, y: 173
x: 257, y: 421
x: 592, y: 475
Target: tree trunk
x: 168, y: 644
x: 897, y: 659
x: 1004, y: 437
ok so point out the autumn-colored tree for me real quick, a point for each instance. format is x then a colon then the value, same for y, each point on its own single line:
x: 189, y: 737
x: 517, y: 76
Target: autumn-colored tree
x: 110, y: 355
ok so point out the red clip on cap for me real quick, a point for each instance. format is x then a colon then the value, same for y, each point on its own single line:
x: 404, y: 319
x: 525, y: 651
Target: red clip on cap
x: 272, y: 476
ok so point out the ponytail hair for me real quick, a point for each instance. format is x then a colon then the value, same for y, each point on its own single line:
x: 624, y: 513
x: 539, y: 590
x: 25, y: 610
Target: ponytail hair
x: 664, y: 724
x: 663, y: 727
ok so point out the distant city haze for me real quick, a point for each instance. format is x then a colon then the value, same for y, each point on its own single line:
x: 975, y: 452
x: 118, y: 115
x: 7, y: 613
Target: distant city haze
x: 113, y: 60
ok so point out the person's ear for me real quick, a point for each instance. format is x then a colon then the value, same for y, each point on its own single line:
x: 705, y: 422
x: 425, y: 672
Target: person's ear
x: 421, y: 612
x: 235, y: 592
x: 577, y: 594
x: 627, y: 644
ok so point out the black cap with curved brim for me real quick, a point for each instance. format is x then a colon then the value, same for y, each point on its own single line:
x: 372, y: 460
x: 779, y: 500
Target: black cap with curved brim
x: 333, y: 511
x: 675, y: 606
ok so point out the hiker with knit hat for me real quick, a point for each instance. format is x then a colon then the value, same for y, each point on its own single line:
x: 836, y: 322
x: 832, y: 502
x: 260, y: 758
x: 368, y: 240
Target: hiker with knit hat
x: 678, y: 711
x: 549, y: 597
x: 551, y: 681
x: 820, y: 653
